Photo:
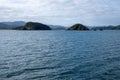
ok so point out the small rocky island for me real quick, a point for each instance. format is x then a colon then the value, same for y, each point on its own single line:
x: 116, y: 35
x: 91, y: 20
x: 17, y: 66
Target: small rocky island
x: 34, y: 26
x: 78, y: 27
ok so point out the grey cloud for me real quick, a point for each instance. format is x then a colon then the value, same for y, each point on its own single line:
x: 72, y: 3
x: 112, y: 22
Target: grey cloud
x: 64, y: 11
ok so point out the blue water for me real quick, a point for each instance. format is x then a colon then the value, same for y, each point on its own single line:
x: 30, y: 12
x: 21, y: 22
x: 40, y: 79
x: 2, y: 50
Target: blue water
x: 59, y: 55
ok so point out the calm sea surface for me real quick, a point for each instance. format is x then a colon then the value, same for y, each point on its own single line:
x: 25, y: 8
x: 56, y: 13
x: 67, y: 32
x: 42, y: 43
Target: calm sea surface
x: 59, y: 55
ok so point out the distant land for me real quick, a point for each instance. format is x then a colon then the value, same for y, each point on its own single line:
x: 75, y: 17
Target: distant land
x: 33, y: 26
x: 78, y: 27
x: 20, y: 25
x: 57, y: 27
x: 10, y: 25
x: 106, y: 27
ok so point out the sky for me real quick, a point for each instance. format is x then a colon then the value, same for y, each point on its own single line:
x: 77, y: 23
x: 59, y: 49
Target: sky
x: 62, y: 12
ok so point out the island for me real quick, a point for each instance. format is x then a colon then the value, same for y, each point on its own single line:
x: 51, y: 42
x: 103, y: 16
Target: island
x: 78, y: 27
x: 34, y: 26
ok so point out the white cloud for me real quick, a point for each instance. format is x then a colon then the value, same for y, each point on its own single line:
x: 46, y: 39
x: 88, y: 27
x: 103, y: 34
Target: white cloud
x: 60, y: 11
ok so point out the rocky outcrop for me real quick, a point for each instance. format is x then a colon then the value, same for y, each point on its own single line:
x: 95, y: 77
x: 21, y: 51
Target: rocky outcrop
x: 35, y: 26
x: 78, y: 27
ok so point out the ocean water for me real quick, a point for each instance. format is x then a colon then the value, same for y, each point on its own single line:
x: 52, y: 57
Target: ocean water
x: 59, y: 55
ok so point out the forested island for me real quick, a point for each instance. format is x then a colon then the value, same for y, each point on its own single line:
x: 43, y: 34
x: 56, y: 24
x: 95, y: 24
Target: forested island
x: 21, y: 25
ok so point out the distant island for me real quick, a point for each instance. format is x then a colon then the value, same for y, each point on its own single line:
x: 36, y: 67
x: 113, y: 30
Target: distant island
x: 106, y: 27
x: 78, y: 27
x: 21, y: 25
x: 33, y: 26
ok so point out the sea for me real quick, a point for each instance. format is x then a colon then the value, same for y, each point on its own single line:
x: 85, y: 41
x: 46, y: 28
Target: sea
x: 59, y: 55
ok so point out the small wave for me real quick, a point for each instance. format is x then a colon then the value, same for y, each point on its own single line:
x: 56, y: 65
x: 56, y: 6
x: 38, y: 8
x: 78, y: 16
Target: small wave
x: 110, y: 74
x: 20, y: 72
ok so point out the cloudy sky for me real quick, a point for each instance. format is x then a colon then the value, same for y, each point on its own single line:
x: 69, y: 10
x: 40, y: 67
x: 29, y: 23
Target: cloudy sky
x: 62, y: 12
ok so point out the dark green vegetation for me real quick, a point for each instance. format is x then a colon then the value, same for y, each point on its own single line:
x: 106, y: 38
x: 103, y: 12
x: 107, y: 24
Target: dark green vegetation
x: 21, y: 25
x: 78, y: 27
x: 107, y: 28
x: 34, y: 26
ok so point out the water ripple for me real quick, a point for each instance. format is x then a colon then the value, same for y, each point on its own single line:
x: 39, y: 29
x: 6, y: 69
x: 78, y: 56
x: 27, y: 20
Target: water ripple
x: 59, y: 55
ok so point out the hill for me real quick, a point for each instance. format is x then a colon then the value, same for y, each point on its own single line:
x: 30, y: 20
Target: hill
x: 78, y: 27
